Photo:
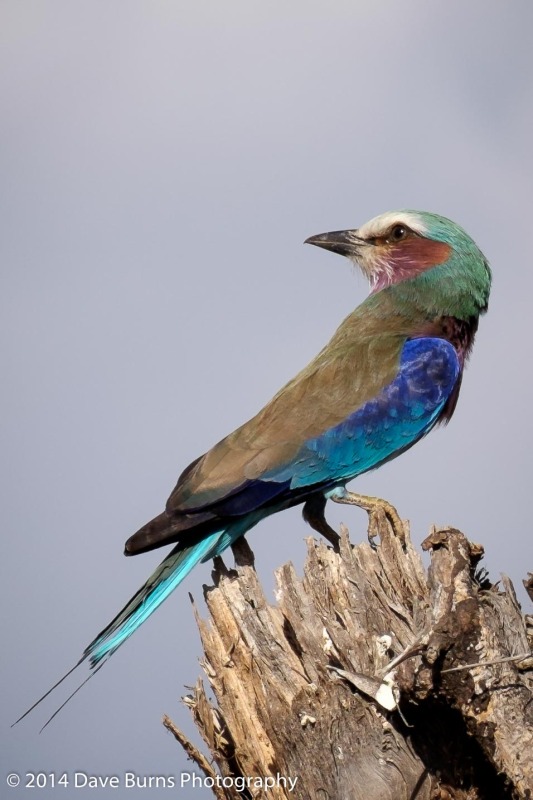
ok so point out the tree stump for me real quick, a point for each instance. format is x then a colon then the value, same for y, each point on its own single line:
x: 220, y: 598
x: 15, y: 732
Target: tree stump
x: 356, y: 683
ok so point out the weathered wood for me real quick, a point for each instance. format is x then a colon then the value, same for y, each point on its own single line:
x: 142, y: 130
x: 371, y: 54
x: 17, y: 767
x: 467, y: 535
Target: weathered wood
x: 295, y: 683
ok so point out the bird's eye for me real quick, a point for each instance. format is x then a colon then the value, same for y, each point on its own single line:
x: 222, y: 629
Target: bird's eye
x: 398, y: 233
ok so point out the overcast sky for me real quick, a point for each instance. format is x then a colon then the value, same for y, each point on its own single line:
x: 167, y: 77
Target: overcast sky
x: 162, y: 163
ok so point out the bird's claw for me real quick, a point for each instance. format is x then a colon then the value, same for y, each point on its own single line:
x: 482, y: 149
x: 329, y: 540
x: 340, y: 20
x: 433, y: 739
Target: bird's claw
x: 381, y: 515
x: 376, y: 519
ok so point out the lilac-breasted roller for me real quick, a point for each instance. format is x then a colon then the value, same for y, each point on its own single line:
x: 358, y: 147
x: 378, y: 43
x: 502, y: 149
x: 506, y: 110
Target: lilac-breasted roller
x: 391, y: 372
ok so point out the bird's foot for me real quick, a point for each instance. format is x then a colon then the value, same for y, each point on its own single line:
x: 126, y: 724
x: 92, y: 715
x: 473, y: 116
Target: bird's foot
x: 313, y: 514
x: 381, y: 514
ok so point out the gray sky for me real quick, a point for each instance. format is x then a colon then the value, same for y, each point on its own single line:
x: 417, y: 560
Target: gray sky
x: 162, y: 164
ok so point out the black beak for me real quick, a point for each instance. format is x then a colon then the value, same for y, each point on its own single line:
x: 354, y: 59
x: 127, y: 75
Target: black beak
x: 346, y: 243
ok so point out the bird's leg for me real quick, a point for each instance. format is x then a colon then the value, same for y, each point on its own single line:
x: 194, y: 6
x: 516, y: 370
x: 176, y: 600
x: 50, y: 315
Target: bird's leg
x: 313, y: 513
x: 243, y: 553
x: 379, y: 512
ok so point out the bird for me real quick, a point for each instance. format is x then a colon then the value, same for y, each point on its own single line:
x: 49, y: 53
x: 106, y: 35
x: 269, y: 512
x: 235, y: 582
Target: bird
x: 391, y: 372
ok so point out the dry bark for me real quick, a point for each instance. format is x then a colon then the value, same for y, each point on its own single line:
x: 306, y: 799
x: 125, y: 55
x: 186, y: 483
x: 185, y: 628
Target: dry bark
x: 305, y: 688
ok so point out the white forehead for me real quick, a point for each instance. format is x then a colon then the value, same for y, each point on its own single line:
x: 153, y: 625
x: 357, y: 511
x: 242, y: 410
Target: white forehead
x: 377, y: 226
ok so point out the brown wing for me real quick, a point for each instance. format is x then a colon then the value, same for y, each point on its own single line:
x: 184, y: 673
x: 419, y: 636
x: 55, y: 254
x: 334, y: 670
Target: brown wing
x: 334, y: 385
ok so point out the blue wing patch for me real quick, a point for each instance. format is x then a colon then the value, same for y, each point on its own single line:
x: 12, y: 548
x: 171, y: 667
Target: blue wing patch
x: 401, y: 414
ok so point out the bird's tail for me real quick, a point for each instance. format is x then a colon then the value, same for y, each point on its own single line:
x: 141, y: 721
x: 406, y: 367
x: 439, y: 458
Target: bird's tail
x: 165, y: 578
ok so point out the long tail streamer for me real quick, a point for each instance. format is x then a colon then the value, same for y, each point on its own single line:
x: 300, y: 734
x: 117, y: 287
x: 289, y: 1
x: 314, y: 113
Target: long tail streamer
x: 165, y: 578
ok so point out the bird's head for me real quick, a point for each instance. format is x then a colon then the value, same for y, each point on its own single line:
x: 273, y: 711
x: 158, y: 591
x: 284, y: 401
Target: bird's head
x: 401, y: 246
